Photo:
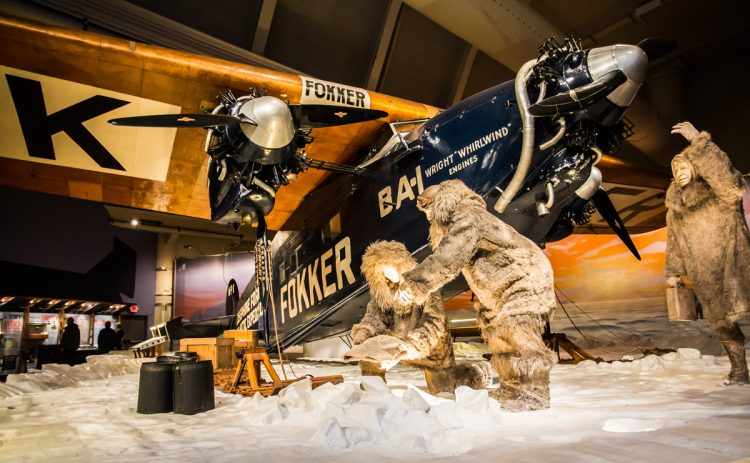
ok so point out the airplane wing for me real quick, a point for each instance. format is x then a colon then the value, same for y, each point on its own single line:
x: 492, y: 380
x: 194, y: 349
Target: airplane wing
x: 60, y: 86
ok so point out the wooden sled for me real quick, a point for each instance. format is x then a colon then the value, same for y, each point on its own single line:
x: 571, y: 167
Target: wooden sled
x: 557, y: 341
x: 249, y: 367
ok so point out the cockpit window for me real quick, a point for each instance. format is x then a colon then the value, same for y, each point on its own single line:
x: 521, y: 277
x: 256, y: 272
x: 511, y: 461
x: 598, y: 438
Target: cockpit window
x: 402, y: 135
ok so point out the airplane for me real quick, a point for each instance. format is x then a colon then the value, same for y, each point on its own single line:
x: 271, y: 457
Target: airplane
x: 536, y: 149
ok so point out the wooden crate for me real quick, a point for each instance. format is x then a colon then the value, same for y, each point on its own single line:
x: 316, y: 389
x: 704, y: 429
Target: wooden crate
x: 217, y: 350
x: 248, y: 336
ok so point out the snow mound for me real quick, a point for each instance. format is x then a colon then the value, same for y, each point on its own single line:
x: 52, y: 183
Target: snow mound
x: 631, y: 425
x: 688, y: 354
x: 56, y: 376
x: 472, y: 400
x: 368, y: 413
x: 650, y: 363
x: 653, y: 363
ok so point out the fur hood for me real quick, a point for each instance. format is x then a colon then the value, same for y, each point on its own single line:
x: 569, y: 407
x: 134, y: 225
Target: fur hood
x: 378, y: 256
x: 679, y: 199
x: 698, y: 191
x: 443, y: 200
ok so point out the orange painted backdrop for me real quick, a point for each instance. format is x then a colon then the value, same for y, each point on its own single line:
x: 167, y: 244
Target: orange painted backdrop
x: 598, y: 270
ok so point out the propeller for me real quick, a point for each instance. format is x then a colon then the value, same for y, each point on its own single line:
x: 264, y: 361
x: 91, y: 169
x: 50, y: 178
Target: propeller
x: 204, y: 121
x: 579, y: 98
x: 256, y: 144
x: 306, y: 116
x: 314, y: 116
x: 607, y: 210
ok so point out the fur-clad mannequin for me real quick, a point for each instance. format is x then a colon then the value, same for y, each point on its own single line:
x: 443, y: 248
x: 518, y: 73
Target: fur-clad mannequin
x: 423, y: 327
x: 708, y: 240
x: 509, y: 275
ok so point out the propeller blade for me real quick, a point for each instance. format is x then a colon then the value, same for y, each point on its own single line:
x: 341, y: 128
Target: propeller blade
x: 223, y: 191
x: 312, y: 116
x: 607, y: 210
x: 177, y: 120
x: 578, y: 98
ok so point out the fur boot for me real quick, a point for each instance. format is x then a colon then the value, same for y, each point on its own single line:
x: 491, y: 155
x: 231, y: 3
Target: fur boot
x: 733, y: 341
x: 738, y: 373
x: 524, y: 383
x: 522, y: 361
x: 476, y: 375
x: 440, y: 380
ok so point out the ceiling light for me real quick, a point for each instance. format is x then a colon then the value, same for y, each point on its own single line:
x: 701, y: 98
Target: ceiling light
x: 134, y: 222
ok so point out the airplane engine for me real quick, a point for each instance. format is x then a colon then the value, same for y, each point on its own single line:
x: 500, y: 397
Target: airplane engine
x: 580, y: 96
x: 256, y: 144
x: 597, y: 84
x: 630, y: 60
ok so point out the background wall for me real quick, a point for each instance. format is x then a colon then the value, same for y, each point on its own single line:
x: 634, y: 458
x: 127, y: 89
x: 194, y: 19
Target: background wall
x: 58, y: 233
x: 201, y: 283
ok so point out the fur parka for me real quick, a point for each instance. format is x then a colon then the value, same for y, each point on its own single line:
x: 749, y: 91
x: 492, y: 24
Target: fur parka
x: 422, y: 325
x: 707, y: 236
x: 508, y: 273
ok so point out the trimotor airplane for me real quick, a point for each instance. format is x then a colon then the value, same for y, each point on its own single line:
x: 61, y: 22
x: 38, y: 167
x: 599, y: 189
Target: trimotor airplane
x: 534, y: 148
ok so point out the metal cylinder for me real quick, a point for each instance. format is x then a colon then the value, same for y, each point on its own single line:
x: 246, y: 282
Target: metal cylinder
x: 527, y: 148
x: 155, y: 388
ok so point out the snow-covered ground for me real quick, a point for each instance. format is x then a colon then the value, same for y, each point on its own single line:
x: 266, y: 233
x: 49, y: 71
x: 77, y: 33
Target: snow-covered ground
x: 669, y: 408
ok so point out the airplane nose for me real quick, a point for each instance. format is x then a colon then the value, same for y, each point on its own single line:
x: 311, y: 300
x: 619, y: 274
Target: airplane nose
x: 629, y: 59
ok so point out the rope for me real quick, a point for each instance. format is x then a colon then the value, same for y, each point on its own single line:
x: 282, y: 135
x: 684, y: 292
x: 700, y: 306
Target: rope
x: 612, y: 333
x: 569, y: 317
x: 615, y: 335
x: 262, y: 244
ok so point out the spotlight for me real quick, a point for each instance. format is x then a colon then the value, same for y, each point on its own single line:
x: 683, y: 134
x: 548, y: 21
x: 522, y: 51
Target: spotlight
x: 134, y: 222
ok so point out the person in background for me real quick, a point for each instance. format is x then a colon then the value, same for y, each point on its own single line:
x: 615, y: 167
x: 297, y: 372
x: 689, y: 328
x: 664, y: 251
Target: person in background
x: 107, y: 339
x: 120, y: 337
x: 71, y: 340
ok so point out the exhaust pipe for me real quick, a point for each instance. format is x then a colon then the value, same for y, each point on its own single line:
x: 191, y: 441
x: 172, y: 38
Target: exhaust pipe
x: 527, y: 149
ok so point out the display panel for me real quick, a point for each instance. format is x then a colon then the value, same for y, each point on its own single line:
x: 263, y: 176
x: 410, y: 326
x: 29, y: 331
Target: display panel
x: 200, y: 287
x: 52, y: 320
x: 11, y: 328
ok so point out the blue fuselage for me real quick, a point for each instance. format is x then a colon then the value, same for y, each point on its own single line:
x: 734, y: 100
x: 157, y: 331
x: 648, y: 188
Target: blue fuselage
x: 317, y: 286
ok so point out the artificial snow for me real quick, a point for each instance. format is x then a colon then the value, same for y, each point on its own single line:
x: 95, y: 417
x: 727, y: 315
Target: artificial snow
x: 648, y: 409
x: 631, y: 425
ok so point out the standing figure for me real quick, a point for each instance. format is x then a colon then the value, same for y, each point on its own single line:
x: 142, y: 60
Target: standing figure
x: 422, y: 327
x: 708, y: 240
x: 511, y: 278
x: 120, y: 337
x: 107, y: 339
x: 70, y: 341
